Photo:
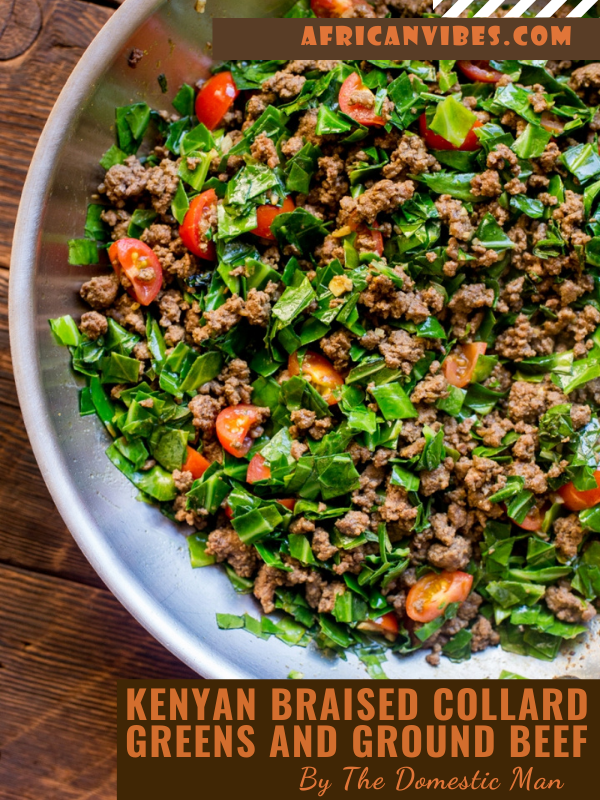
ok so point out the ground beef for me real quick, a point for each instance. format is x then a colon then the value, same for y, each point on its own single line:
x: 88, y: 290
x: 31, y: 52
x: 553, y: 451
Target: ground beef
x: 162, y: 182
x: 567, y: 606
x: 401, y: 350
x: 331, y: 181
x: 263, y: 149
x: 455, y: 216
x: 337, y: 348
x: 456, y: 556
x: 486, y: 184
x: 284, y: 84
x: 220, y: 320
x: 410, y: 158
x: 127, y: 312
x: 381, y: 198
x: 483, y: 477
x: 353, y: 524
x: 443, y: 529
x: 257, y: 309
x: 226, y: 545
x: 468, y: 299
x: 371, y: 478
x: 585, y: 77
x: 484, y: 635
x: 124, y: 182
x: 205, y: 410
x: 268, y: 580
x: 430, y: 390
x: 398, y: 510
x: 568, y: 535
x: 434, y: 481
x: 93, y: 324
x: 100, y: 292
x: 321, y: 545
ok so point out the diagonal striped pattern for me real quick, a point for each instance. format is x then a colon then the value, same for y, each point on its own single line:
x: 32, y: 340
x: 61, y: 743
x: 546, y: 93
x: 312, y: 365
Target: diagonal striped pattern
x: 518, y: 9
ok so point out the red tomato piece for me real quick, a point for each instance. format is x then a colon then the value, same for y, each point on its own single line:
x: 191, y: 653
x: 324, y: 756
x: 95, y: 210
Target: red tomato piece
x: 387, y: 625
x: 199, y: 219
x: 234, y: 424
x: 360, y: 112
x: 266, y: 214
x: 430, y: 595
x: 141, y: 266
x: 319, y: 372
x: 533, y: 520
x: 228, y: 511
x: 258, y: 469
x: 479, y: 71
x: 576, y: 500
x: 215, y: 99
x: 288, y: 502
x: 331, y: 9
x: 459, y: 366
x: 195, y: 463
x: 436, y: 142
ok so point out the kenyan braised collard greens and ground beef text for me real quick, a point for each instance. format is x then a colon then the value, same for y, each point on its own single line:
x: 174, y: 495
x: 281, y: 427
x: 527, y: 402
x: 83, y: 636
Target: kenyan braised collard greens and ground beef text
x: 346, y: 325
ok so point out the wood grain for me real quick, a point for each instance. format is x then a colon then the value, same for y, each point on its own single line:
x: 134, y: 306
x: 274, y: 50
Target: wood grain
x: 58, y: 723
x: 64, y: 639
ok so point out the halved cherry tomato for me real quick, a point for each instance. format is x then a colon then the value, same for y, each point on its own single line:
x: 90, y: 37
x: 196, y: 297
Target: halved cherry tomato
x: 319, y: 372
x: 552, y: 123
x: 215, y: 99
x: 387, y: 625
x: 330, y: 9
x: 430, y: 595
x: 195, y: 463
x: 479, y: 71
x: 197, y: 223
x: 234, y: 424
x: 458, y: 367
x: 364, y: 115
x: 258, y: 469
x: 437, y: 142
x: 141, y: 266
x: 288, y: 502
x: 266, y: 214
x: 576, y: 500
x: 533, y: 520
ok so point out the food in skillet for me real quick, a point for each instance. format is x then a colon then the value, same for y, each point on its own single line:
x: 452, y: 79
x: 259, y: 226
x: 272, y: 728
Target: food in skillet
x: 347, y: 327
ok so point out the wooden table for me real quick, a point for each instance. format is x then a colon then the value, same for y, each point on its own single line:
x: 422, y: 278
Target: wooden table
x: 64, y: 639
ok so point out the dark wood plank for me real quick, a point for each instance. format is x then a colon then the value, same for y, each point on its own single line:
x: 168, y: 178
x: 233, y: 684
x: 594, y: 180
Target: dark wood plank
x: 30, y: 81
x: 62, y: 646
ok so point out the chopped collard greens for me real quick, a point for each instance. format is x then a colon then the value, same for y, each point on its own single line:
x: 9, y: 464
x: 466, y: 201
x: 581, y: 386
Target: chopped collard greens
x: 345, y: 325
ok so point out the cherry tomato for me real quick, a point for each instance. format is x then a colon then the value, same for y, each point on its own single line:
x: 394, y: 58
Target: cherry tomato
x: 195, y: 463
x: 228, y: 511
x: 234, y: 424
x: 479, y: 71
x: 533, y: 520
x: 458, y: 367
x: 319, y: 372
x: 430, y: 595
x: 288, y: 502
x: 362, y: 114
x: 266, y: 214
x: 258, y: 469
x: 387, y: 626
x: 196, y: 224
x: 437, y: 142
x: 215, y: 99
x: 330, y: 9
x: 141, y: 266
x: 552, y: 123
x: 576, y: 500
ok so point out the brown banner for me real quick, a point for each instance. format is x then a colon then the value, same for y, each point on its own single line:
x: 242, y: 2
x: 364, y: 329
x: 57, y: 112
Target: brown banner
x: 332, y: 739
x: 398, y: 39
